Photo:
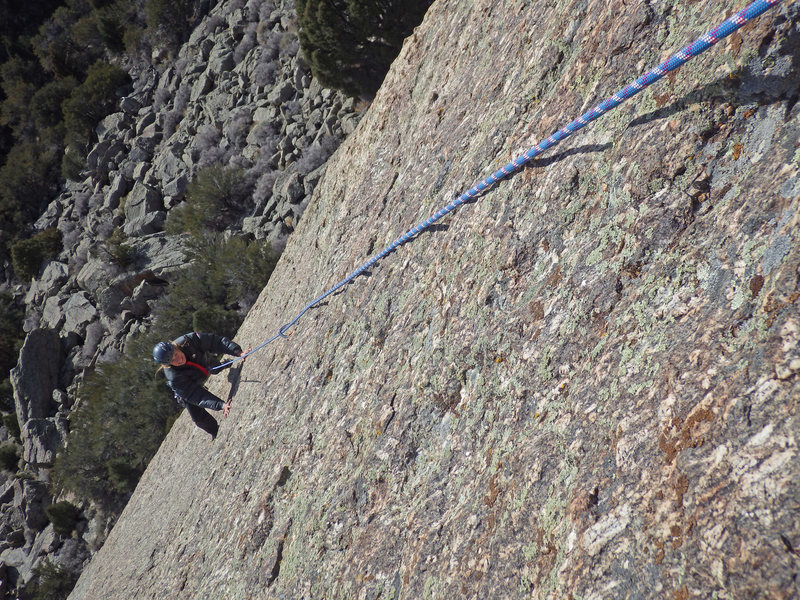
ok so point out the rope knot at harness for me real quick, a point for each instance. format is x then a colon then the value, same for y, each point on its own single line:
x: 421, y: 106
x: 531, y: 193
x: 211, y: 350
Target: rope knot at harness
x: 700, y: 45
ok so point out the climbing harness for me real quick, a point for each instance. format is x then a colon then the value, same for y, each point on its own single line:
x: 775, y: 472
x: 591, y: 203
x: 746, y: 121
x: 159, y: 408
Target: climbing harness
x: 700, y: 45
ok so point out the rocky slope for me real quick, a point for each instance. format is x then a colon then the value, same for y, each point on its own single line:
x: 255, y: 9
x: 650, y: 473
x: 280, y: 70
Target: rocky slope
x: 583, y: 385
x: 237, y: 95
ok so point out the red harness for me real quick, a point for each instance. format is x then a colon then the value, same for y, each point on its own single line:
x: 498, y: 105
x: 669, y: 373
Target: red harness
x: 203, y: 370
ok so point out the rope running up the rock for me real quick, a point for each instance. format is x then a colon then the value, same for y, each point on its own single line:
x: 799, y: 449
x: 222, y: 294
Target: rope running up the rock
x: 703, y: 43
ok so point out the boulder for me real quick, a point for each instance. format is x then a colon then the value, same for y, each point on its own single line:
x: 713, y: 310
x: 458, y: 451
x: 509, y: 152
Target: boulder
x: 112, y: 126
x: 161, y: 254
x: 36, y: 375
x: 288, y: 187
x: 255, y: 226
x: 71, y: 555
x: 176, y: 188
x: 78, y: 313
x: 92, y: 338
x: 13, y: 559
x: 52, y: 312
x: 94, y: 275
x: 61, y: 398
x: 142, y: 200
x: 138, y: 302
x: 49, y: 217
x: 103, y: 157
x: 145, y: 225
x: 45, y: 542
x: 95, y: 154
x: 145, y: 121
x: 34, y: 500
x: 130, y: 105
x: 201, y: 87
x: 167, y: 165
x: 221, y: 60
x: 282, y: 92
x: 54, y: 275
x: 120, y: 186
x: 40, y: 441
x: 265, y: 114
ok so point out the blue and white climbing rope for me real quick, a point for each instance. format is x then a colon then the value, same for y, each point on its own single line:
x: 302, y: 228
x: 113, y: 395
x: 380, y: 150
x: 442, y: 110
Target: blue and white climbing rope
x: 703, y: 43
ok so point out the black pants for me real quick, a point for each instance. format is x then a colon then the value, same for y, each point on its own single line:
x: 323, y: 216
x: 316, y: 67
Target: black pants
x: 203, y: 420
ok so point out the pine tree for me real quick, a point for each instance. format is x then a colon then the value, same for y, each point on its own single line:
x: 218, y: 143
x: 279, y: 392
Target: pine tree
x: 350, y: 44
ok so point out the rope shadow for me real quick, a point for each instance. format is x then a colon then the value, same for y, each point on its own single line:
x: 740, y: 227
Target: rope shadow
x: 746, y: 86
x: 549, y: 160
x: 234, y: 378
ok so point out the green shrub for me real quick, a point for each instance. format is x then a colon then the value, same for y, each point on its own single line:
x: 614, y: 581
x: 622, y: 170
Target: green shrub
x: 170, y: 21
x: 102, y: 27
x: 72, y: 163
x: 124, y: 413
x: 350, y: 45
x: 20, y: 79
x: 28, y: 179
x: 132, y: 38
x: 21, y: 20
x: 45, y: 104
x: 10, y: 421
x: 64, y: 516
x: 224, y: 279
x: 122, y: 474
x: 11, y: 334
x: 120, y: 252
x: 6, y: 395
x: 215, y: 318
x: 92, y: 100
x: 50, y: 582
x: 28, y: 255
x: 111, y: 25
x: 84, y: 31
x: 9, y: 457
x: 213, y: 199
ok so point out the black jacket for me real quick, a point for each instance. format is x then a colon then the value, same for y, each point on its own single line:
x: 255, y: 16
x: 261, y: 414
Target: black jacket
x: 187, y: 380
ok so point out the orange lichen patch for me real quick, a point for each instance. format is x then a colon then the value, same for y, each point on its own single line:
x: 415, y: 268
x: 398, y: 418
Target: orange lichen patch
x: 659, y: 558
x: 772, y: 306
x: 582, y: 502
x: 689, y: 433
x: 662, y: 99
x: 668, y: 447
x: 756, y: 283
x: 681, y: 486
x: 491, y: 497
x: 736, y: 42
x: 555, y: 277
x: 537, y: 310
x: 681, y: 594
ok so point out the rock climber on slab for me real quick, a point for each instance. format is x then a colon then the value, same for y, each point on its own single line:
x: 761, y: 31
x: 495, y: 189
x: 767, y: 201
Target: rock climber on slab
x: 187, y: 362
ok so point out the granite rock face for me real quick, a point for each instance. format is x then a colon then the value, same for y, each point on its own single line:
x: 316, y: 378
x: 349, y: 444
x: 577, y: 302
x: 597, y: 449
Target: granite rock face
x: 585, y: 384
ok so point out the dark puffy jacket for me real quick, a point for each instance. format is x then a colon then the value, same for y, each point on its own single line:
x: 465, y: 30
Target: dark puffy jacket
x: 187, y: 380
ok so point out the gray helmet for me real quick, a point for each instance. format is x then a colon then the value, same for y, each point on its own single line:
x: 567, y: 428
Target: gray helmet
x: 163, y: 352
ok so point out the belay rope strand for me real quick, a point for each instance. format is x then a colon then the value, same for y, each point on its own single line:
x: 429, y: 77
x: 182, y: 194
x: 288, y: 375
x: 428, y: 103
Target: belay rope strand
x: 703, y: 43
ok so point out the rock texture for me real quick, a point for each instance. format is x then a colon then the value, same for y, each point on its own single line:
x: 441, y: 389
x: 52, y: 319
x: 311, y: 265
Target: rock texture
x: 583, y: 385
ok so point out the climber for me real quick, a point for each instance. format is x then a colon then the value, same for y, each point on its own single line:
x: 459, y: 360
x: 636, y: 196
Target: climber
x: 187, y: 362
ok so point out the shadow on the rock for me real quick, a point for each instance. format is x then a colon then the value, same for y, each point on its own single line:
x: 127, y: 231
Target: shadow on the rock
x: 747, y: 86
